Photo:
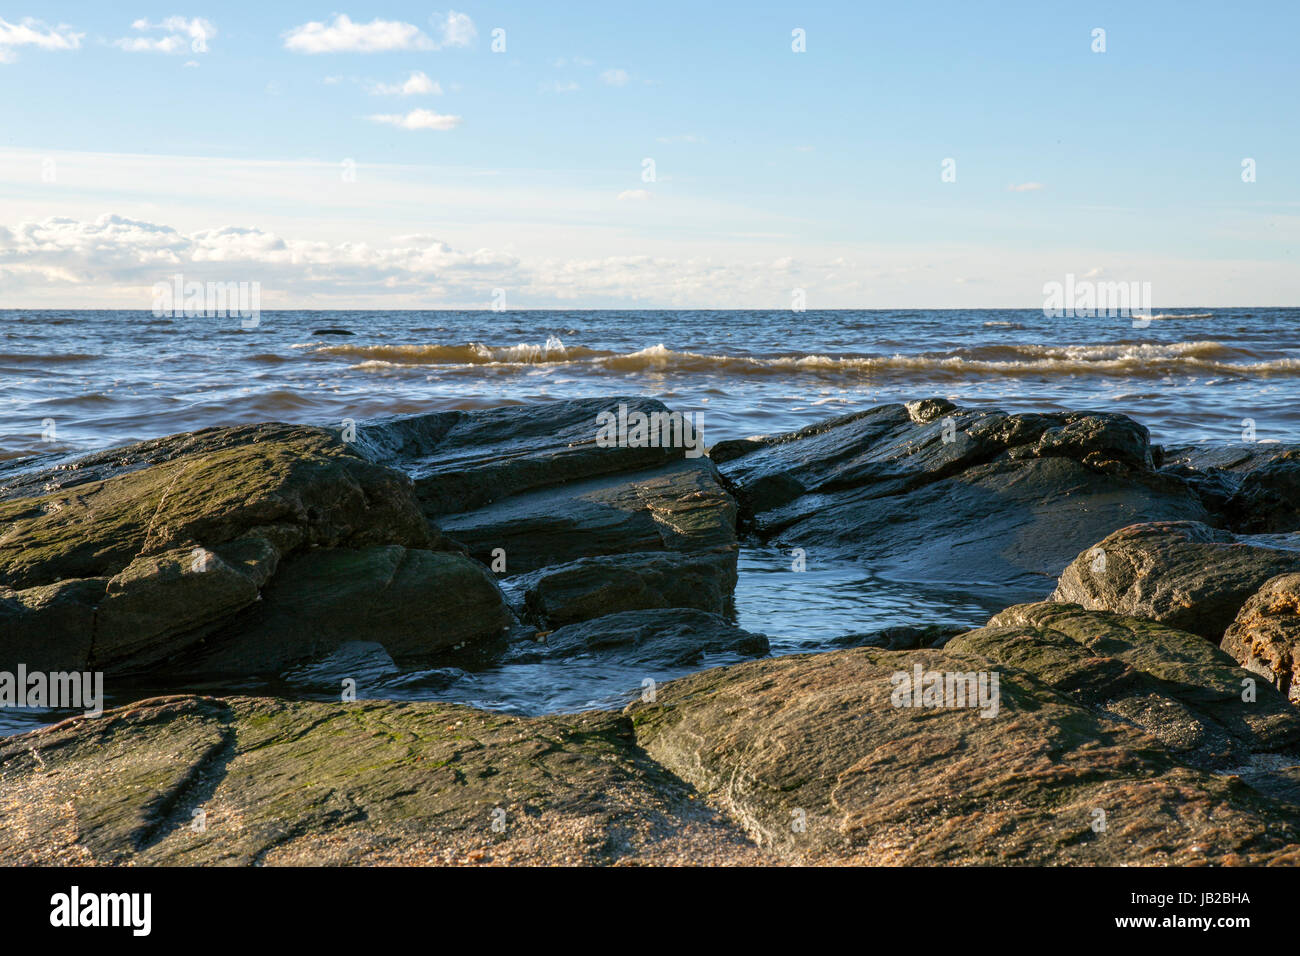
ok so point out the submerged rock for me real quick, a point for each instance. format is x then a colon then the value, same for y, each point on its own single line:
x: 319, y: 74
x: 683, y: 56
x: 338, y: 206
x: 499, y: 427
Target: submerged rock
x: 668, y: 637
x: 1183, y: 573
x: 1265, y: 637
x: 975, y: 499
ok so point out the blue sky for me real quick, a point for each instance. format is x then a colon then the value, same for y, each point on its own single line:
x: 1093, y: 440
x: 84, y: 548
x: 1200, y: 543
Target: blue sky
x: 254, y: 142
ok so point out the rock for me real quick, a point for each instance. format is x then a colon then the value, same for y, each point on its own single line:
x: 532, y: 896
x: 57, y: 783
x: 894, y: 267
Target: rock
x: 333, y: 332
x: 1265, y: 637
x: 973, y: 499
x: 132, y: 560
x: 1268, y: 499
x: 1182, y: 573
x: 1104, y: 741
x: 1176, y: 686
x: 1249, y: 488
x: 680, y: 507
x: 419, y: 605
x: 589, y: 587
x: 247, y: 781
x: 901, y: 637
x: 810, y: 754
x: 669, y: 637
x: 526, y: 489
x: 463, y: 460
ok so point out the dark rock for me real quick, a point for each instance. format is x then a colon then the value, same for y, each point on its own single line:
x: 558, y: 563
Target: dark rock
x: 463, y: 460
x: 679, y: 507
x: 333, y: 332
x: 1181, y: 573
x: 128, y: 561
x: 903, y: 637
x: 1248, y: 488
x: 977, y: 500
x: 1268, y: 498
x: 419, y: 605
x: 1265, y: 637
x: 590, y: 587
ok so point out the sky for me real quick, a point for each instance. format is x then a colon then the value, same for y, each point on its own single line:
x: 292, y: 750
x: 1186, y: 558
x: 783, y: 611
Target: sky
x: 669, y: 155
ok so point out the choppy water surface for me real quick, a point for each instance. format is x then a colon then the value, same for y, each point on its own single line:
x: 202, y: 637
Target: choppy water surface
x: 76, y: 380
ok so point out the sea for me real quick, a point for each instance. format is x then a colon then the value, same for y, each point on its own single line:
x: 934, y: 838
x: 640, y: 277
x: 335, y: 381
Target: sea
x: 73, y: 381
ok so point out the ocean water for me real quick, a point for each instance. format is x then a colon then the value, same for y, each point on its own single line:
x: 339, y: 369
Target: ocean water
x: 86, y: 380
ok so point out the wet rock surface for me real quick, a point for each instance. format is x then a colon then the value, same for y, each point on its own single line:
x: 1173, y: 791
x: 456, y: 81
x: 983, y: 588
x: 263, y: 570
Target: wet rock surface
x: 1249, y: 488
x: 977, y: 499
x: 674, y: 636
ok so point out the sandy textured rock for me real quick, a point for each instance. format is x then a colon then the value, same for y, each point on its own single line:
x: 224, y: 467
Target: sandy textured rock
x: 1183, y: 573
x: 293, y: 783
x: 1265, y: 637
x: 811, y: 756
x: 1176, y: 686
x: 975, y: 499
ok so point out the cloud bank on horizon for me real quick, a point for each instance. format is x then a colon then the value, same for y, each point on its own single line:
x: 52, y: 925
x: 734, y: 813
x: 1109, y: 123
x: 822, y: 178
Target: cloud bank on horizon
x: 695, y: 158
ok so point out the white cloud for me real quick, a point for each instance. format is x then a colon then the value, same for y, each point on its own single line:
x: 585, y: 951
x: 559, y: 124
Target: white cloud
x: 31, y: 32
x: 634, y: 195
x: 615, y: 77
x: 181, y: 35
x: 456, y: 29
x: 1024, y: 187
x: 416, y: 84
x: 560, y: 87
x: 130, y: 255
x: 417, y: 119
x: 345, y: 36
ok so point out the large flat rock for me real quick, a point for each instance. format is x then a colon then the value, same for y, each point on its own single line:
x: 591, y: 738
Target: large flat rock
x: 249, y: 781
x: 811, y: 754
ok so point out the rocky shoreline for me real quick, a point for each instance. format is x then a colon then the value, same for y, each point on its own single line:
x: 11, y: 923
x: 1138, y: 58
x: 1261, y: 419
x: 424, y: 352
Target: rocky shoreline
x: 1145, y: 672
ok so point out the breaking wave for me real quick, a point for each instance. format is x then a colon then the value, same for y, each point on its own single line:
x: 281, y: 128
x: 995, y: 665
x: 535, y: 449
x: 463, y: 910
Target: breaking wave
x: 1135, y: 359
